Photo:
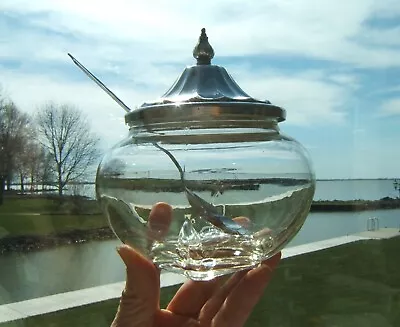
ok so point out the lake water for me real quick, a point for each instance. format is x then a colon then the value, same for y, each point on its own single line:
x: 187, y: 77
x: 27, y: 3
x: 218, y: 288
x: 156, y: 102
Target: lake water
x: 364, y: 189
x: 66, y: 268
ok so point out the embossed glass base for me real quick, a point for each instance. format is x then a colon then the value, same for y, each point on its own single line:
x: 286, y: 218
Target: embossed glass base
x: 209, y: 253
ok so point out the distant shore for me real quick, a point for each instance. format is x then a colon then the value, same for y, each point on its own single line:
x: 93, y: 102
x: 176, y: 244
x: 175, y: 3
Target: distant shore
x: 354, y: 205
x: 75, y: 220
x: 30, y: 243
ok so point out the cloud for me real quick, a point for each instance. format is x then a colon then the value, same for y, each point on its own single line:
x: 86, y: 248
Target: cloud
x: 393, y: 89
x: 315, y: 59
x: 346, y: 80
x: 391, y: 107
x: 357, y: 131
x: 142, y: 48
x: 152, y: 31
x: 29, y: 92
x: 388, y: 37
x: 307, y: 97
x: 386, y: 9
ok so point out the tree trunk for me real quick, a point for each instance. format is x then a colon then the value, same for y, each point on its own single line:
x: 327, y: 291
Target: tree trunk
x: 32, y: 183
x: 60, y: 185
x: 8, y: 182
x: 2, y: 185
x: 60, y: 188
x: 21, y: 179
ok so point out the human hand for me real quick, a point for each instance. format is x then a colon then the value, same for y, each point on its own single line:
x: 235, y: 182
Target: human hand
x: 219, y: 302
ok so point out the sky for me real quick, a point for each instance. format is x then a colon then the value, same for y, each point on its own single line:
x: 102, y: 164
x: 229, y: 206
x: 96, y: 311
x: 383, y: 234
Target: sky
x: 333, y: 65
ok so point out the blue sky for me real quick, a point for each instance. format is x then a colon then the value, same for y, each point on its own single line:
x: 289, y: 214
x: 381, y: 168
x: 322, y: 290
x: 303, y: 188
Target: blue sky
x: 333, y: 65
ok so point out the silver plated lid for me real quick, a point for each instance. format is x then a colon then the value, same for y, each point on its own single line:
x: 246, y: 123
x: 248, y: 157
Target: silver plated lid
x: 204, y: 92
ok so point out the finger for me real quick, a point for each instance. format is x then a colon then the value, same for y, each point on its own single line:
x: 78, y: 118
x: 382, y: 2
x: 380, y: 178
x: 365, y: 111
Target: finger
x: 263, y: 233
x: 214, y: 303
x: 240, y: 302
x: 160, y: 219
x: 242, y: 221
x: 192, y: 296
x: 165, y: 318
x: 140, y: 299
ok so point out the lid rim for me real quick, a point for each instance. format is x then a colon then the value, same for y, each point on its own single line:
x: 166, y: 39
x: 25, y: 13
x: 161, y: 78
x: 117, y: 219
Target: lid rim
x: 205, y: 110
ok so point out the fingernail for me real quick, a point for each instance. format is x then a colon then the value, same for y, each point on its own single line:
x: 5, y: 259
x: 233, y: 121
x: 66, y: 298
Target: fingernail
x: 264, y: 267
x: 162, y: 207
x: 120, y: 250
x: 262, y: 272
x: 273, y: 262
x: 119, y: 247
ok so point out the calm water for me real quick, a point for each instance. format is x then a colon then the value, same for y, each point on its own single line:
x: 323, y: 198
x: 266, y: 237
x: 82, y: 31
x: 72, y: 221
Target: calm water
x: 365, y: 189
x: 67, y: 268
x: 36, y: 274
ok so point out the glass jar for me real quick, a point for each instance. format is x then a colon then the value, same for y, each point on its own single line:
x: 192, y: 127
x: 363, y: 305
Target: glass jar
x: 239, y: 189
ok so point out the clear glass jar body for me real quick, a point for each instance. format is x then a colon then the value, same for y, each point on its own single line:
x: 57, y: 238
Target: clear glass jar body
x: 255, y: 177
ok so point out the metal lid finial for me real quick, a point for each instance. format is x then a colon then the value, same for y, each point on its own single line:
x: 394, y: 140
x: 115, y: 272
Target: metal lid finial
x: 203, y: 51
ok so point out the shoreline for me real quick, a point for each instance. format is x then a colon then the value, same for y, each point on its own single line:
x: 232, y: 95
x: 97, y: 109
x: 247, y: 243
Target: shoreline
x: 29, y: 243
x: 101, y: 232
x: 354, y: 205
x: 33, y: 243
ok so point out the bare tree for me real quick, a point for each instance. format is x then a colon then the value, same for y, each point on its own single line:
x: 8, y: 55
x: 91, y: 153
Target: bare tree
x: 35, y: 158
x: 15, y: 130
x: 21, y: 168
x: 32, y: 164
x: 46, y: 173
x: 65, y: 133
x: 2, y: 148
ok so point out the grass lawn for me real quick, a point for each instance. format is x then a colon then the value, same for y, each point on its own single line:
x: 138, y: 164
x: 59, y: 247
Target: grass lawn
x: 356, y: 284
x: 27, y: 205
x: 41, y: 216
x: 37, y: 216
x: 50, y: 204
x: 28, y: 225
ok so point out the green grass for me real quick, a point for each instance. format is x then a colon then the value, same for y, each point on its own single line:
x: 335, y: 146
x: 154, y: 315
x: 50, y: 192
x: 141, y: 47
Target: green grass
x: 356, y: 284
x: 50, y: 205
x: 28, y: 205
x: 62, y: 215
x: 39, y: 216
x: 27, y: 225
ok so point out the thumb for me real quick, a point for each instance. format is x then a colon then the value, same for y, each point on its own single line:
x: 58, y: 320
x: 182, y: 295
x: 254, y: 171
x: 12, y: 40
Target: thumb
x: 140, y: 298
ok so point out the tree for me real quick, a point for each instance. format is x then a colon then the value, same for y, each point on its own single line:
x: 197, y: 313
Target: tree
x: 46, y: 173
x: 65, y: 133
x: 15, y: 130
x: 33, y: 164
x: 2, y: 149
x: 21, y: 168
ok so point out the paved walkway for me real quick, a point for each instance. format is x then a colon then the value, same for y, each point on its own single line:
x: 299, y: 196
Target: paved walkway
x: 62, y: 301
x: 381, y: 233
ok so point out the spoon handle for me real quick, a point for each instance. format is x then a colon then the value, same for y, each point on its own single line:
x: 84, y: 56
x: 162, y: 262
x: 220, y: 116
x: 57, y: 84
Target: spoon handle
x: 100, y: 83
